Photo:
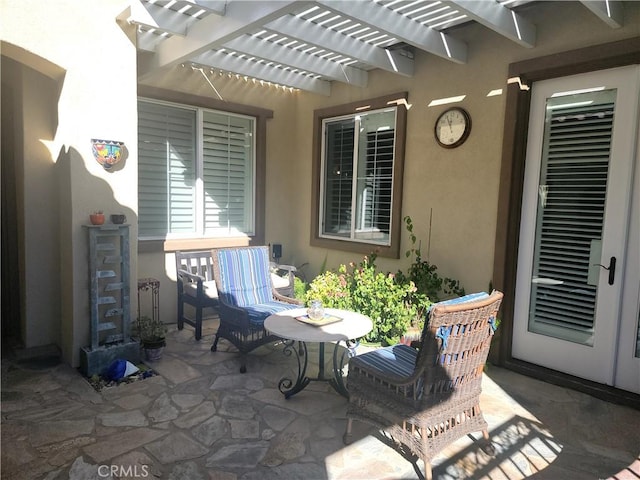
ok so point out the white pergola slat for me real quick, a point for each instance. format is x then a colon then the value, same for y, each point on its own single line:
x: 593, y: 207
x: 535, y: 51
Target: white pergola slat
x: 307, y: 44
x: 297, y: 59
x: 499, y: 19
x: 401, y: 27
x: 214, y: 30
x: 609, y: 11
x: 262, y: 71
x: 167, y: 20
x: 312, y: 34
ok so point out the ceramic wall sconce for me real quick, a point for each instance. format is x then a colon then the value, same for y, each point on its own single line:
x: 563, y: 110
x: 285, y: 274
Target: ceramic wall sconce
x: 107, y: 152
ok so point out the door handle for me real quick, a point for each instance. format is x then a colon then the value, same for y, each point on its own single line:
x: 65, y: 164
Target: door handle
x: 611, y: 269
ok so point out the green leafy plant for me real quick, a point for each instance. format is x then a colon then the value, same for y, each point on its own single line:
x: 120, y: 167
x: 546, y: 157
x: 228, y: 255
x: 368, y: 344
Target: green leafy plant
x: 375, y: 294
x: 331, y: 288
x: 424, y: 274
x: 394, y: 302
x: 150, y: 330
x: 299, y: 288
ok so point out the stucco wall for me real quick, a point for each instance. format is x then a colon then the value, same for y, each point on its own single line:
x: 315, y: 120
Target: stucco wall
x: 96, y: 63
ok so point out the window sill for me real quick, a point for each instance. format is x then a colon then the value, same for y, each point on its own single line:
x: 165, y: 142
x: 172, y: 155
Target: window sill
x: 153, y: 246
x: 357, y: 247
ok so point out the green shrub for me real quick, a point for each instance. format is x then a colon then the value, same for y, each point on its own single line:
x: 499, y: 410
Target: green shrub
x: 299, y: 288
x: 374, y: 294
x: 378, y: 296
x: 331, y: 288
x: 393, y: 302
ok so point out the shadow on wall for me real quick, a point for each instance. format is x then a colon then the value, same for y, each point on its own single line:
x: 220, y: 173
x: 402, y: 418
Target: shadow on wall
x: 81, y: 193
x: 30, y: 215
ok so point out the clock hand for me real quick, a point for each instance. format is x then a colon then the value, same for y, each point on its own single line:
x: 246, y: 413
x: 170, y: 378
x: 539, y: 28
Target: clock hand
x: 449, y: 122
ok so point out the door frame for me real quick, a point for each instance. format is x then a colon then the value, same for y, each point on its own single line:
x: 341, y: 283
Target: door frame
x: 514, y: 146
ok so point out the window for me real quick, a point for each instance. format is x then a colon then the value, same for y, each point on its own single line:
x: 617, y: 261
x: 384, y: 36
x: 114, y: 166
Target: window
x: 196, y: 172
x: 358, y: 176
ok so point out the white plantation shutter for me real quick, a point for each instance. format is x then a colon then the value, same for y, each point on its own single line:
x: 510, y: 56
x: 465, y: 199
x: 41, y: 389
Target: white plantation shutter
x: 338, y: 179
x: 166, y: 169
x: 378, y: 181
x: 228, y: 173
x: 169, y: 165
x: 572, y: 194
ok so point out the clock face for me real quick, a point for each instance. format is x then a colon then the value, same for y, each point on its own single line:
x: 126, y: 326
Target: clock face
x: 453, y: 127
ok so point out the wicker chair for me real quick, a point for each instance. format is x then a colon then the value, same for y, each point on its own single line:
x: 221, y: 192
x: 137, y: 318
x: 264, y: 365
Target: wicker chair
x: 427, y: 398
x: 246, y: 298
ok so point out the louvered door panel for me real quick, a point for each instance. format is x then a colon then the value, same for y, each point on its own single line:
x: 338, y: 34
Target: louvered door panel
x: 572, y: 195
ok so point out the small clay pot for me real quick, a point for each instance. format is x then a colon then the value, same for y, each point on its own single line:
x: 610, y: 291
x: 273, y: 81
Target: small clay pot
x: 96, y: 218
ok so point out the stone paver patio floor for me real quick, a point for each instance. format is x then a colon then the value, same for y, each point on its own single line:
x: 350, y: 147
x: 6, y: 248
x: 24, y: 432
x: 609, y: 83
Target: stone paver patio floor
x: 199, y: 418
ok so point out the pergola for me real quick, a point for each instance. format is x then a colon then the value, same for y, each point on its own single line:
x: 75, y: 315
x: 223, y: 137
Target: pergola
x: 307, y: 45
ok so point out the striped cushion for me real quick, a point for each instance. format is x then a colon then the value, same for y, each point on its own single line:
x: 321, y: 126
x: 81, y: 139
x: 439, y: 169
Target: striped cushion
x: 472, y: 297
x: 244, y: 276
x: 398, y: 360
x: 260, y: 311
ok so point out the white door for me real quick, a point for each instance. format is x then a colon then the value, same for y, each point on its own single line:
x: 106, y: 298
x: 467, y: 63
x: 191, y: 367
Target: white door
x: 576, y: 305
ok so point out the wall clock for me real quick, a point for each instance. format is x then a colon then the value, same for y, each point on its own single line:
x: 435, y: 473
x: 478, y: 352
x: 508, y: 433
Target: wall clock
x: 452, y: 127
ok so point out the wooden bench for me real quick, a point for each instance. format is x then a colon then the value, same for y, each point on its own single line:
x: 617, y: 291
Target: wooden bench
x: 197, y: 287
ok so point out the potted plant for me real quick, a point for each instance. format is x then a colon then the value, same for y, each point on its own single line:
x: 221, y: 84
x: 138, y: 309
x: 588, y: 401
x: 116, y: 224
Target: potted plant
x: 152, y: 336
x: 97, y: 217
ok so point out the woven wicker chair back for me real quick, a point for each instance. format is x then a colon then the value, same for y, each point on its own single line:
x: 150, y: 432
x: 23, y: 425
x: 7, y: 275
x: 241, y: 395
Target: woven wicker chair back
x: 455, y: 345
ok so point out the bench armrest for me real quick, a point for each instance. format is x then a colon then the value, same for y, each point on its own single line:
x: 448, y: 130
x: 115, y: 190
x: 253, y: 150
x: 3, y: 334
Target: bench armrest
x: 187, y: 277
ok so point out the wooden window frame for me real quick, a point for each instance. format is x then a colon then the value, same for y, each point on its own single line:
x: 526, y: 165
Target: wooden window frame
x: 393, y: 249
x: 261, y: 115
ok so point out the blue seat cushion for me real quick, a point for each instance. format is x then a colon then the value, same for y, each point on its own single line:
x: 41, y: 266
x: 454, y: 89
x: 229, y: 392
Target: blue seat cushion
x: 472, y: 297
x: 397, y: 360
x: 244, y: 276
x: 260, y: 311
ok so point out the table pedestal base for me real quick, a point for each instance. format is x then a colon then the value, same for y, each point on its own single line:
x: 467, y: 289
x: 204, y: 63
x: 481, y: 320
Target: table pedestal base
x: 287, y: 385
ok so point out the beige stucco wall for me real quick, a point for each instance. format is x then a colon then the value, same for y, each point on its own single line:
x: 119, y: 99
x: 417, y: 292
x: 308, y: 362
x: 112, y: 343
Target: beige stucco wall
x: 95, y: 67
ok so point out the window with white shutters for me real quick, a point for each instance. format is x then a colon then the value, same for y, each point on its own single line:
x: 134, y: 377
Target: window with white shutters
x: 357, y: 166
x: 195, y: 172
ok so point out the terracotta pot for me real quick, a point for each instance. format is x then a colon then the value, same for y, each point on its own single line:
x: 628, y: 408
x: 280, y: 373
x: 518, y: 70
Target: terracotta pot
x: 96, y: 218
